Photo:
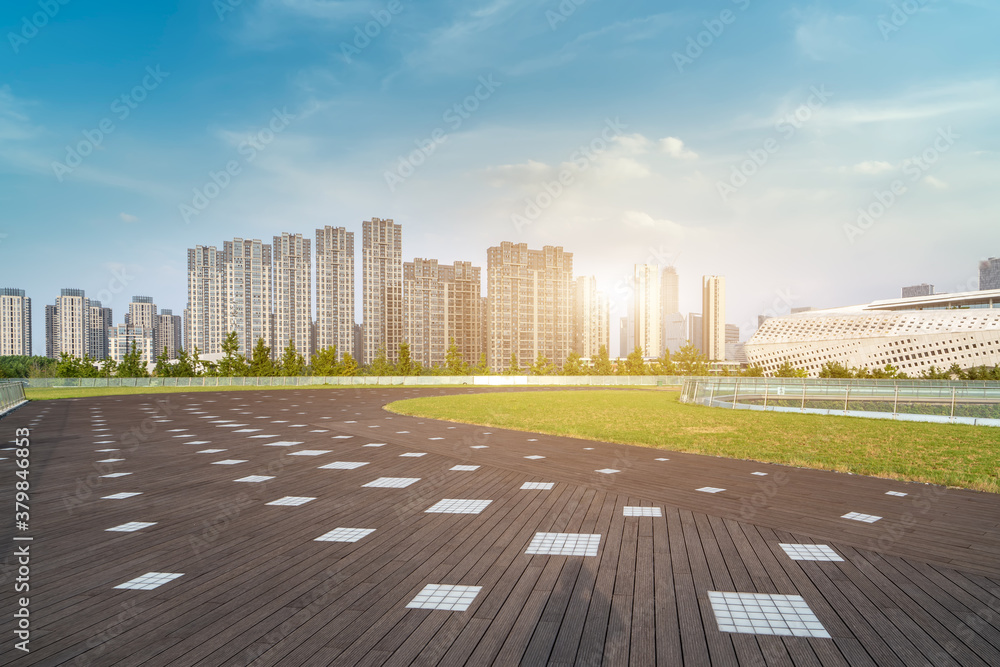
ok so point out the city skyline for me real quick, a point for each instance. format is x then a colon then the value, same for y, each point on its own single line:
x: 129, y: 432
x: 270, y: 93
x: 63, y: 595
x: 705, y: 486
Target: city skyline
x: 604, y: 131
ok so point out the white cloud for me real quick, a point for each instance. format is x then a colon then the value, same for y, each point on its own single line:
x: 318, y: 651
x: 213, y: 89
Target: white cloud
x: 674, y: 147
x: 127, y: 217
x: 936, y: 183
x: 872, y: 167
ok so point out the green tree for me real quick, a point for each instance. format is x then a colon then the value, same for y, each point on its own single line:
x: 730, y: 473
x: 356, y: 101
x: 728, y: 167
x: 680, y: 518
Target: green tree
x: 664, y: 365
x: 482, y: 368
x: 261, y: 365
x: 542, y: 366
x: 71, y: 366
x: 348, y: 366
x: 573, y: 365
x: 109, y: 368
x: 132, y: 365
x: 293, y: 364
x: 185, y: 366
x: 164, y: 368
x: 786, y: 370
x: 635, y: 364
x: 453, y: 362
x: 232, y: 364
x: 753, y: 371
x: 690, y: 361
x: 380, y: 364
x: 602, y: 362
x: 404, y: 363
x: 325, y: 363
x: 833, y: 369
x: 514, y: 368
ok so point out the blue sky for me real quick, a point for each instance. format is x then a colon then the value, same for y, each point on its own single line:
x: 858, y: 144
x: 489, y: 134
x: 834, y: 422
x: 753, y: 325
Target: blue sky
x: 740, y: 138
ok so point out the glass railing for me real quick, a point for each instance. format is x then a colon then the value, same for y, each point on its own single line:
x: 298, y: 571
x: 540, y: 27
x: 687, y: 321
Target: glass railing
x: 11, y: 394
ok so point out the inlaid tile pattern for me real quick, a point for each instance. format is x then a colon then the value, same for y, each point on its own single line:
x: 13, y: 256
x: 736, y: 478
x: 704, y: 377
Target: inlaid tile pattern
x: 761, y: 614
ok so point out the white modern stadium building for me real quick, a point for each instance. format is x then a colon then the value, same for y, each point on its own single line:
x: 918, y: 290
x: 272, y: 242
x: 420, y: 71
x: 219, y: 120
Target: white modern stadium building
x: 910, y: 334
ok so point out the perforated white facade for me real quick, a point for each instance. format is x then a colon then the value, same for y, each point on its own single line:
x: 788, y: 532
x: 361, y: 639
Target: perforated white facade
x: 910, y: 334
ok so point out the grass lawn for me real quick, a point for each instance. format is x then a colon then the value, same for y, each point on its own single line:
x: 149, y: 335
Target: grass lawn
x: 949, y: 454
x: 43, y: 394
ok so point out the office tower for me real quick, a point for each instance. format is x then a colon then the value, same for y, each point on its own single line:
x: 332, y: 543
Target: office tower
x: 647, y: 321
x: 15, y: 322
x: 590, y: 318
x: 442, y: 303
x: 382, y: 288
x: 625, y: 338
x: 922, y: 289
x: 292, y: 293
x: 713, y: 312
x: 70, y: 329
x: 204, y: 325
x: 530, y: 304
x: 335, y: 290
x: 675, y: 330
x: 100, y: 321
x: 695, y: 331
x: 674, y: 324
x: 732, y: 340
x: 248, y: 293
x: 670, y: 291
x: 50, y: 332
x: 168, y: 333
x: 989, y: 273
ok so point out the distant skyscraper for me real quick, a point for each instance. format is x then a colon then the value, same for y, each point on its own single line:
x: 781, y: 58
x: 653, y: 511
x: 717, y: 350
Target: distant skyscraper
x: 918, y: 290
x: 732, y: 340
x: 100, y: 321
x: 713, y: 312
x: 675, y: 328
x: 670, y: 291
x: 989, y: 273
x: 293, y: 293
x: 168, y: 333
x: 359, y: 344
x: 626, y: 339
x: 382, y: 288
x: 141, y: 312
x: 335, y: 290
x: 695, y: 329
x: 248, y: 294
x: 70, y: 324
x: 122, y: 337
x: 590, y: 318
x: 530, y: 304
x: 674, y: 325
x: 204, y: 322
x: 442, y: 303
x: 50, y: 332
x: 647, y: 320
x: 15, y: 322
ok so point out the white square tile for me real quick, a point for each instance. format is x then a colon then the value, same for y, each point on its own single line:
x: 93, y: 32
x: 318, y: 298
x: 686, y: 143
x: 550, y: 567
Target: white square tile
x: 762, y: 614
x: 150, y: 580
x: 310, y: 452
x: 343, y: 465
x: 458, y: 506
x: 116, y: 474
x: 122, y: 496
x: 810, y: 552
x: 262, y: 436
x: 374, y: 444
x: 110, y: 460
x: 710, y: 489
x: 642, y: 511
x: 662, y: 459
x: 414, y: 454
x: 186, y: 435
x: 282, y: 443
x: 342, y: 437
x: 464, y: 468
x: 445, y: 597
x: 895, y: 493
x: 392, y: 482
x: 759, y: 474
x: 228, y: 462
x: 537, y: 486
x: 255, y: 478
x: 291, y: 500
x: 345, y: 535
x: 564, y: 544
x: 607, y: 471
x: 479, y: 447
x: 131, y: 526
x: 401, y: 432
x: 210, y: 451
x: 199, y: 442
x: 857, y: 516
x: 534, y: 457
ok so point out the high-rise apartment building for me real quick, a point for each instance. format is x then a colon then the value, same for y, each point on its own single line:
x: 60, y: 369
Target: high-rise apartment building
x: 695, y: 329
x: 204, y: 324
x: 626, y: 337
x: 590, y: 318
x: 530, y: 304
x: 713, y: 312
x: 382, y: 288
x: 70, y: 324
x: 670, y: 291
x: 674, y: 324
x: 335, y: 290
x: 442, y: 303
x: 50, y: 332
x: 732, y: 340
x: 989, y: 273
x: 292, y: 293
x: 647, y: 319
x: 121, y: 338
x: 248, y: 293
x: 922, y: 289
x: 100, y: 321
x: 141, y: 313
x: 15, y: 322
x: 168, y: 333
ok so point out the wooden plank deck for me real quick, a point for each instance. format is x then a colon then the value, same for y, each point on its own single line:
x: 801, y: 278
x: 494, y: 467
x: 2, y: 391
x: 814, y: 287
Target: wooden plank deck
x: 920, y: 586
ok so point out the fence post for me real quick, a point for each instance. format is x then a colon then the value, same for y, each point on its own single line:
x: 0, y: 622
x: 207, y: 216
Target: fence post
x: 803, y: 406
x: 953, y: 402
x: 765, y: 395
x: 847, y: 397
x: 737, y: 394
x: 711, y: 397
x: 895, y: 402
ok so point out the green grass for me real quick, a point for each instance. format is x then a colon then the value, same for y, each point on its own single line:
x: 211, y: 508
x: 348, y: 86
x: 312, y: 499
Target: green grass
x: 44, y: 394
x: 950, y: 454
